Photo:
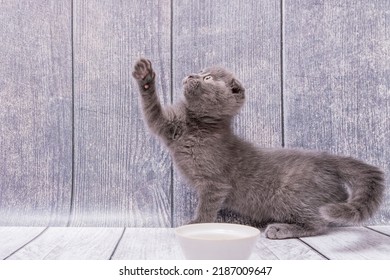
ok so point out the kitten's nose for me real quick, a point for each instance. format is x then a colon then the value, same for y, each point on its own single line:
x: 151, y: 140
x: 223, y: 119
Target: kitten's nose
x: 192, y: 76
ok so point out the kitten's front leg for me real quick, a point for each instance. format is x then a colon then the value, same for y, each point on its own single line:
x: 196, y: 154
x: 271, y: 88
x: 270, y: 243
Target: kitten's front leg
x: 211, y: 199
x: 154, y: 115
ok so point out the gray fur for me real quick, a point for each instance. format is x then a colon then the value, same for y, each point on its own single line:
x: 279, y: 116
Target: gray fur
x: 298, y: 193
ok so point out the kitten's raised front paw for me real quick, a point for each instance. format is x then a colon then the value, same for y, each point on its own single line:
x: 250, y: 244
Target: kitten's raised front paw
x: 143, y: 73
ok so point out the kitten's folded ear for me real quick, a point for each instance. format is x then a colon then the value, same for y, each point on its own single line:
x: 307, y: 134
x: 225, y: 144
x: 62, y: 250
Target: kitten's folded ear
x: 236, y: 86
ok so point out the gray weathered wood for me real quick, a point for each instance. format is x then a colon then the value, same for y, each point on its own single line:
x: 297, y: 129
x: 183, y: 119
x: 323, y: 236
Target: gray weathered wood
x: 75, y: 243
x: 122, y: 174
x: 243, y: 36
x: 286, y: 249
x: 336, y: 80
x: 382, y: 229
x: 351, y: 243
x: 35, y: 112
x: 148, y: 244
x: 335, y: 97
x: 14, y: 238
x: 161, y: 243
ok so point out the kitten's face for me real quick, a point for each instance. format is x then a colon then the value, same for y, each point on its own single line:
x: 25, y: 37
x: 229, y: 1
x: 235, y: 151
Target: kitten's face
x: 214, y: 92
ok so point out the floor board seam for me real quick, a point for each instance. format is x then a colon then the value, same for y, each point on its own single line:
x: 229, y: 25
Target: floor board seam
x: 314, y: 249
x: 27, y: 243
x: 117, y: 244
x: 377, y: 231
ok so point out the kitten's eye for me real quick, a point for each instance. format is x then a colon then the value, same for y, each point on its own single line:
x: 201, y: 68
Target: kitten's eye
x: 207, y: 78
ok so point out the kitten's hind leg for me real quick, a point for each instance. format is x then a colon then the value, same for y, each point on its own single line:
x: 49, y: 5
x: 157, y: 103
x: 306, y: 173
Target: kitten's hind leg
x: 283, y: 231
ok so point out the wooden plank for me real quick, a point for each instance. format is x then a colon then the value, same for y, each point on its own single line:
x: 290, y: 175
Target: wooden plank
x: 161, y: 243
x: 351, y: 243
x: 382, y: 229
x: 243, y: 36
x: 60, y: 243
x: 148, y: 244
x: 285, y: 249
x: 122, y: 173
x: 35, y: 112
x: 13, y: 238
x: 336, y: 85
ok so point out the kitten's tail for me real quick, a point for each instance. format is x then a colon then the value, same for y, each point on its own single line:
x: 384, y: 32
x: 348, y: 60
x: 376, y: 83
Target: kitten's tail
x: 366, y: 187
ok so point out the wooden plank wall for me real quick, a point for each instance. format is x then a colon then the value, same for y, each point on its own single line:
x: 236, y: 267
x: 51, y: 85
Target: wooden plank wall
x: 122, y: 175
x: 73, y: 147
x: 35, y: 112
x: 336, y: 80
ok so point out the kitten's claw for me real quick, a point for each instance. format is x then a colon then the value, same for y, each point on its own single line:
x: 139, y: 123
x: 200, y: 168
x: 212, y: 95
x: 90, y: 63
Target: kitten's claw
x: 143, y: 70
x: 143, y: 73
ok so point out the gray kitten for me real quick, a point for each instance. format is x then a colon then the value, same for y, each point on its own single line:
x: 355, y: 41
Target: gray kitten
x: 298, y: 193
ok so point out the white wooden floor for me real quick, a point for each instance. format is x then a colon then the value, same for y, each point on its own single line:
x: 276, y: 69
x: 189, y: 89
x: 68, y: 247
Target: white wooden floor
x: 32, y: 243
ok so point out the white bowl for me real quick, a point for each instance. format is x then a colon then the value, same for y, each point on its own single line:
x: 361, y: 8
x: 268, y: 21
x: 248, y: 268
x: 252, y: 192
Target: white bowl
x: 217, y: 241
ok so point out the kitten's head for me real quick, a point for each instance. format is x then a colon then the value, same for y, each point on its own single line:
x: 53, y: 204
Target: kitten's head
x: 214, y: 92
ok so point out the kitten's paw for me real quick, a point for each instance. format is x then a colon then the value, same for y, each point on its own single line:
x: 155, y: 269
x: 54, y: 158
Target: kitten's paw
x: 193, y: 222
x: 196, y: 221
x: 143, y: 72
x: 282, y: 231
x: 200, y: 220
x: 277, y: 231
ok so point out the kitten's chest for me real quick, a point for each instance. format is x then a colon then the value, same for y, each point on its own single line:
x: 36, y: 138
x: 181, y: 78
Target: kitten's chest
x: 196, y: 156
